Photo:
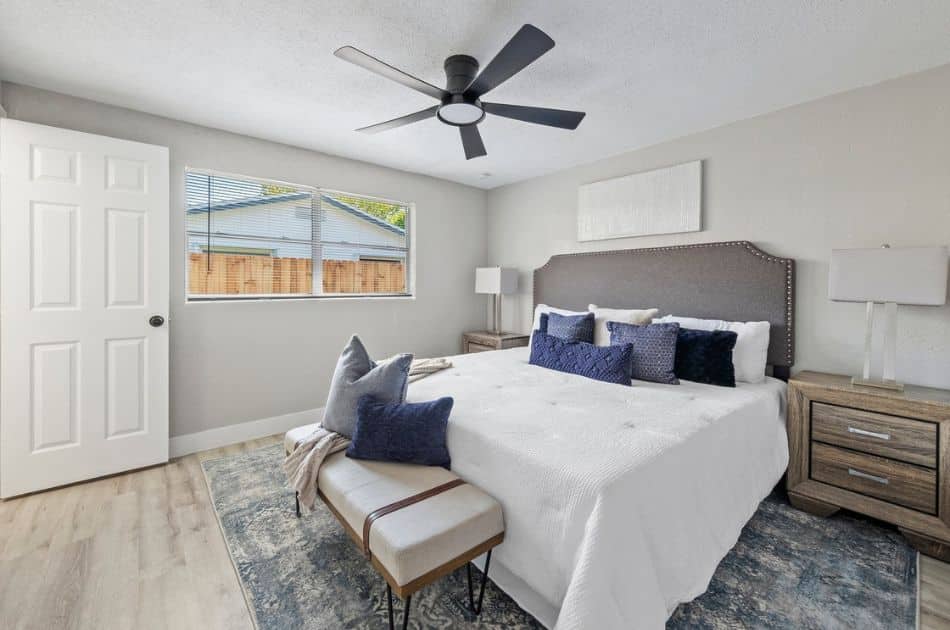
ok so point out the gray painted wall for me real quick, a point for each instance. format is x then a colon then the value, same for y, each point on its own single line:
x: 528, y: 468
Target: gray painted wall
x: 853, y: 170
x: 235, y: 362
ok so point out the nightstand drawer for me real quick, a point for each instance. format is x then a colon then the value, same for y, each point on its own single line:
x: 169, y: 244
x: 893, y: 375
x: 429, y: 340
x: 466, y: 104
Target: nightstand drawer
x: 477, y: 347
x: 912, y: 441
x: 886, y: 479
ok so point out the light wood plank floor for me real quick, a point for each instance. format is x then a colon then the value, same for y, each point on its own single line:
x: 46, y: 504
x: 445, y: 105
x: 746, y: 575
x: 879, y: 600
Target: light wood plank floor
x: 143, y: 550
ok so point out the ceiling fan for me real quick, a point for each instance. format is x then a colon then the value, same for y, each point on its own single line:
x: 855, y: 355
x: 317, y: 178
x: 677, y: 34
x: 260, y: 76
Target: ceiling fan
x: 460, y: 102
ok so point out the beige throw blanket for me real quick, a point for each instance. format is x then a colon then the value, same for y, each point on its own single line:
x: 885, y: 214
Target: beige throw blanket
x: 422, y: 368
x: 302, y: 466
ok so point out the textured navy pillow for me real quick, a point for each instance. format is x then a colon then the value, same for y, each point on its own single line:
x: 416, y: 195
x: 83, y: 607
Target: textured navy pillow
x: 568, y: 327
x: 413, y: 433
x: 654, y: 350
x: 608, y: 363
x: 705, y: 356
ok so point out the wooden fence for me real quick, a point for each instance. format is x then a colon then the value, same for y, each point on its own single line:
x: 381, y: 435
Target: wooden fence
x: 234, y: 274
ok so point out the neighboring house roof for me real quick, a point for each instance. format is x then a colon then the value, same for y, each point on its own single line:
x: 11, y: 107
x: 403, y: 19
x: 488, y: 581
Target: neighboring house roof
x: 363, y: 215
x: 248, y: 202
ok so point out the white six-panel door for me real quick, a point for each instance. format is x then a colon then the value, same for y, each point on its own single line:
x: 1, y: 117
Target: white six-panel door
x: 83, y: 268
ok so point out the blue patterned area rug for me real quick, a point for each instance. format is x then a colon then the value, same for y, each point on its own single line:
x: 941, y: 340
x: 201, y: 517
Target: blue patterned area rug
x: 788, y: 570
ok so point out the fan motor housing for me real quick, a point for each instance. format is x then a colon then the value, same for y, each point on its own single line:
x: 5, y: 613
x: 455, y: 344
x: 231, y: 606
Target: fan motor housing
x: 460, y: 71
x: 457, y: 109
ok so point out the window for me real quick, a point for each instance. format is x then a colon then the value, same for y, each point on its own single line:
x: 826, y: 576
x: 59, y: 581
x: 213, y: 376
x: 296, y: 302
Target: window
x: 251, y: 238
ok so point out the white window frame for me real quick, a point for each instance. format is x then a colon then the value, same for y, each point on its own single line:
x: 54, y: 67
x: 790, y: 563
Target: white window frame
x: 213, y: 298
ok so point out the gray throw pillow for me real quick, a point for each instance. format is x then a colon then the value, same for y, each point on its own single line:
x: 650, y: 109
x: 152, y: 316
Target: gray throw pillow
x: 357, y: 375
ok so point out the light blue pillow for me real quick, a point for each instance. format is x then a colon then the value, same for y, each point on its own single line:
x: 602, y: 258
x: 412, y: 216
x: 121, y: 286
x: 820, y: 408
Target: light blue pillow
x: 356, y: 376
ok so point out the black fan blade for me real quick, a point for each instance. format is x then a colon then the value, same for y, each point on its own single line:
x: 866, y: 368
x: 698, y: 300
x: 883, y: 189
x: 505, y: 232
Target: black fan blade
x: 408, y: 119
x: 528, y: 44
x: 358, y: 57
x: 538, y: 115
x: 472, y: 142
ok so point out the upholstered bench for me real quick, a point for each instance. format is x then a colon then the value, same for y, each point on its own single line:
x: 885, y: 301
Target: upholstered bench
x: 416, y: 524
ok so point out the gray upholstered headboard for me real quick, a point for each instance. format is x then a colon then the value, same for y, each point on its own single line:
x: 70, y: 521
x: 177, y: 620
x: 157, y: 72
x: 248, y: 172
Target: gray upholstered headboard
x: 733, y: 281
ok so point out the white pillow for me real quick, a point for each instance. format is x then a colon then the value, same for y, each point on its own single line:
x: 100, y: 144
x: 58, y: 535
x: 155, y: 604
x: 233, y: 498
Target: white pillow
x: 544, y: 308
x: 752, y: 343
x: 623, y: 315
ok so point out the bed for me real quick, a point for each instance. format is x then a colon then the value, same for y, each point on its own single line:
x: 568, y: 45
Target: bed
x: 621, y: 501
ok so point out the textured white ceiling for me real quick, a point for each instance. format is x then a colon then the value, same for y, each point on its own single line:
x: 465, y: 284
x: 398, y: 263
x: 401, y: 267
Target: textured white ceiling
x: 644, y: 70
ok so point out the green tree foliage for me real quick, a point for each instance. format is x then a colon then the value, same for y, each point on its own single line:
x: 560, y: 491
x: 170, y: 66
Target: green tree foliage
x: 391, y: 213
x: 274, y: 189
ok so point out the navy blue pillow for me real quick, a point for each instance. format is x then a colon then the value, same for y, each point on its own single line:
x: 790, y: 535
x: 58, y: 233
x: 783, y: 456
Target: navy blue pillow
x: 609, y: 363
x: 568, y: 327
x: 705, y: 356
x: 654, y: 349
x: 413, y: 433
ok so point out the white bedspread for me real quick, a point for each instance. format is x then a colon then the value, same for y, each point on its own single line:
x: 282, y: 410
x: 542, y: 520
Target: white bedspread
x: 619, y: 501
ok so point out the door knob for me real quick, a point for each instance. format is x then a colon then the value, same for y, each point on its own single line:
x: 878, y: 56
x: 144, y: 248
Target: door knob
x: 156, y: 320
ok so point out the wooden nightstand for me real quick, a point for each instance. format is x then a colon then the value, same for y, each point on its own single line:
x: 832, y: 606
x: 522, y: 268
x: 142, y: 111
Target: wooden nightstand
x: 874, y: 451
x: 482, y: 340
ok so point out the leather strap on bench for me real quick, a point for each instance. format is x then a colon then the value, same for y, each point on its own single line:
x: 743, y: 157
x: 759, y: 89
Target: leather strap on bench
x: 398, y: 505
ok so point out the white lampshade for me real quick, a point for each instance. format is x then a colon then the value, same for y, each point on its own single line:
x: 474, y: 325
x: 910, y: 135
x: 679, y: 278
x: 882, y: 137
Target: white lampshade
x: 905, y: 275
x: 496, y: 280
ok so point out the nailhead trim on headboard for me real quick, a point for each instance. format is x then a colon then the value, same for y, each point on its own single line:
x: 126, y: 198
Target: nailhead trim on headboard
x: 789, y: 264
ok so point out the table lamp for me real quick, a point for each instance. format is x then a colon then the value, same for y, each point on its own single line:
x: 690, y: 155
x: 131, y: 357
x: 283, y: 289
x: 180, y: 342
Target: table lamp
x: 498, y: 282
x: 892, y: 275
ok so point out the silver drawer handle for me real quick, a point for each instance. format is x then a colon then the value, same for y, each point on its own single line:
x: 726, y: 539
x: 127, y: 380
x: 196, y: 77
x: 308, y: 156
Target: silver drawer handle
x: 880, y: 436
x: 869, y: 477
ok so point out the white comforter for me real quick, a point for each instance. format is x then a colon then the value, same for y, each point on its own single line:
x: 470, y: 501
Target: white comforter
x: 619, y: 501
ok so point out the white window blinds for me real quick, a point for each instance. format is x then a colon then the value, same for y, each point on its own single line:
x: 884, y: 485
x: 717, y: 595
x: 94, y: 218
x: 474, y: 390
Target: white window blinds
x: 253, y: 238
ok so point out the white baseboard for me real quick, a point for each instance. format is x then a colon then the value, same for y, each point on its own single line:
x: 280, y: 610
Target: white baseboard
x: 232, y: 434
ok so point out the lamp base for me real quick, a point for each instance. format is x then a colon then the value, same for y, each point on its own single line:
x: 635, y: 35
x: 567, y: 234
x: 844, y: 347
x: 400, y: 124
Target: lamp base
x: 496, y: 313
x: 881, y: 384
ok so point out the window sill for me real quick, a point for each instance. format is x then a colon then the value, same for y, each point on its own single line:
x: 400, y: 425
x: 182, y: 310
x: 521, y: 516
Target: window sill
x: 227, y: 299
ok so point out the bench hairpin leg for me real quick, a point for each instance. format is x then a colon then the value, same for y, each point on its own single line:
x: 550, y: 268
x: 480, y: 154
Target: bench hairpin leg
x: 405, y: 609
x: 297, y: 502
x: 389, y: 597
x: 481, y: 589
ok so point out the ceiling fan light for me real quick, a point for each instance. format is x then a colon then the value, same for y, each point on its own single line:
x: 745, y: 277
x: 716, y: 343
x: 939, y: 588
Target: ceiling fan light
x: 460, y: 113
